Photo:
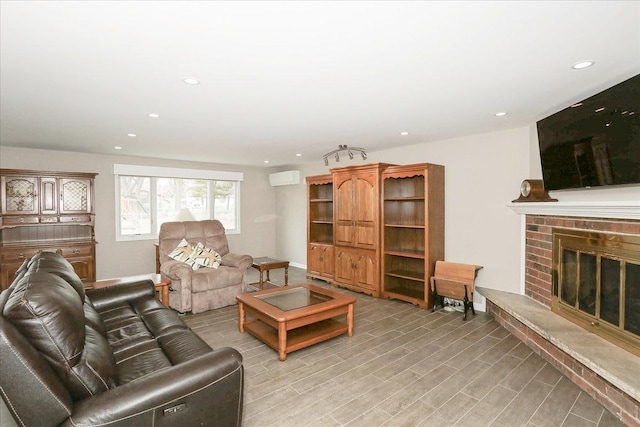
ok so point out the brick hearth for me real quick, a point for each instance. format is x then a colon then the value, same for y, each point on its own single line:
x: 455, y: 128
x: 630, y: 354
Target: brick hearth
x: 539, y: 328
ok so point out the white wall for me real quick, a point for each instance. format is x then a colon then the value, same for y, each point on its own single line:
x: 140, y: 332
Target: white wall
x: 115, y: 259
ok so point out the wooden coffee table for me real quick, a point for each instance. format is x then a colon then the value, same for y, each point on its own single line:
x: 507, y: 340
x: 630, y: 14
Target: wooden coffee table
x: 295, y: 317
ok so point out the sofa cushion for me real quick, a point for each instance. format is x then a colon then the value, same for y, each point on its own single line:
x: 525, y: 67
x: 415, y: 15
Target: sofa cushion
x: 92, y: 318
x: 141, y: 364
x: 55, y: 264
x: 50, y: 314
x: 207, y: 279
x: 182, y: 346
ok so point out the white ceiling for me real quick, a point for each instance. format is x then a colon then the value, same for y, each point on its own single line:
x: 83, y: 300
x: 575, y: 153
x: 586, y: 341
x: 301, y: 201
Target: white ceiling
x: 280, y: 78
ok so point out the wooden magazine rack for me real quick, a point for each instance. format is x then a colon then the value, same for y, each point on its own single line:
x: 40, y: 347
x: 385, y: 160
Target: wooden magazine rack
x: 454, y: 280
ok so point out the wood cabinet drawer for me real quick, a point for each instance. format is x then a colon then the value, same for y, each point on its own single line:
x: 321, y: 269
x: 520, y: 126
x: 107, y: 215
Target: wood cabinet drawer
x: 65, y: 251
x: 17, y: 254
x: 75, y: 218
x: 48, y: 219
x: 20, y: 220
x: 73, y: 251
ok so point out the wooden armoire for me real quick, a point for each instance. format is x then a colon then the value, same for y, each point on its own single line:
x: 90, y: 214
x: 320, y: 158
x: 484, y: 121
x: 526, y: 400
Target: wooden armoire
x: 346, y: 229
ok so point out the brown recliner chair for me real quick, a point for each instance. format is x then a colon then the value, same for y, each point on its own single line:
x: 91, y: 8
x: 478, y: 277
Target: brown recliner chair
x: 206, y: 288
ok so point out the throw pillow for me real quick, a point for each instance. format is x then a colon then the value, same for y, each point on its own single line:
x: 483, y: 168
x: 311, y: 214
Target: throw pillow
x: 182, y: 251
x: 203, y: 256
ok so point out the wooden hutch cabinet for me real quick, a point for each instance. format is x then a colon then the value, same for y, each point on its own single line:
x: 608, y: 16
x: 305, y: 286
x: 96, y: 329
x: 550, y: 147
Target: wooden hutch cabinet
x: 413, y: 237
x: 386, y: 232
x: 320, y: 262
x: 46, y: 211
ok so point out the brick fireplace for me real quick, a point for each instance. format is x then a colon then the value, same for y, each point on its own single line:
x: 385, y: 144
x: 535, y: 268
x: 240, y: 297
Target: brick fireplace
x: 539, y: 221
x: 539, y: 247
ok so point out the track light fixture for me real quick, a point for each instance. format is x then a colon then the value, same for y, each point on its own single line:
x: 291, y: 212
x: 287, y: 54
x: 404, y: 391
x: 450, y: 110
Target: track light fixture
x: 344, y: 147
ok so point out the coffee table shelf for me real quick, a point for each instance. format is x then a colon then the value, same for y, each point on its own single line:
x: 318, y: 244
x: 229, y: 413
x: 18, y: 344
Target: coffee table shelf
x: 298, y: 338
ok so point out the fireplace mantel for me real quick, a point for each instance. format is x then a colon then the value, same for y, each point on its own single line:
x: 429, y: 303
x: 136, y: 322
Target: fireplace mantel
x: 620, y: 210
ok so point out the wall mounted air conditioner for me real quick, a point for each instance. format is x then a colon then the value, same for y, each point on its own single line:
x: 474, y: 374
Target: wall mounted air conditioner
x: 284, y: 178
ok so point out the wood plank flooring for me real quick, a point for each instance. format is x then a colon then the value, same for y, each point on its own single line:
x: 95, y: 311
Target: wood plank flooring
x: 404, y: 366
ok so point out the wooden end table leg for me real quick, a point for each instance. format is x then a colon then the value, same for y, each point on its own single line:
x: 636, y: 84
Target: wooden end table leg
x: 282, y: 341
x: 241, y: 316
x: 268, y: 278
x: 286, y: 275
x: 165, y: 295
x: 350, y: 320
x: 261, y: 281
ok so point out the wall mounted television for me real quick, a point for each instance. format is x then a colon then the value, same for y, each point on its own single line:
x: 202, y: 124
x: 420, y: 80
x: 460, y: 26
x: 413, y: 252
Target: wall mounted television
x: 595, y: 142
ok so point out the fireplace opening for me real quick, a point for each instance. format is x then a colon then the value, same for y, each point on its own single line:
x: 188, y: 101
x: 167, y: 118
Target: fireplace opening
x: 596, y: 283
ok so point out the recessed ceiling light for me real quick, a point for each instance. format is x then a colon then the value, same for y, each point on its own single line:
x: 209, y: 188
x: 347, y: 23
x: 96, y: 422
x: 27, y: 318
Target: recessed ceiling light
x: 298, y: 155
x: 191, y: 81
x: 404, y: 133
x: 132, y: 135
x: 501, y: 113
x: 117, y: 147
x: 153, y: 115
x: 582, y: 64
x: 266, y: 161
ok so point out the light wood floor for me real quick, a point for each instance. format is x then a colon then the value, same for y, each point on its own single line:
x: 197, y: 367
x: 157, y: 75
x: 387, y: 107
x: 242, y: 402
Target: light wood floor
x: 404, y: 366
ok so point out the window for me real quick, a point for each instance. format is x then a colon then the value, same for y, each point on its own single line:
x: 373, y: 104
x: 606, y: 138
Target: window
x: 146, y: 197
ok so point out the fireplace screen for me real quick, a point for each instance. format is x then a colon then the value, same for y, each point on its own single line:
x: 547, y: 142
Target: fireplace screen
x: 596, y: 283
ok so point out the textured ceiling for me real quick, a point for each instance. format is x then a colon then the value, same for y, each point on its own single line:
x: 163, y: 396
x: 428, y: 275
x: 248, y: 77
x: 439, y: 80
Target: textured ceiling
x: 286, y: 78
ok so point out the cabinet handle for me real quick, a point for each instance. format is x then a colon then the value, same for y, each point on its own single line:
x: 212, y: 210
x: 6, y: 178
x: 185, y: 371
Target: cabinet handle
x: 76, y: 251
x: 20, y: 256
x: 59, y: 251
x: 22, y: 220
x: 73, y: 218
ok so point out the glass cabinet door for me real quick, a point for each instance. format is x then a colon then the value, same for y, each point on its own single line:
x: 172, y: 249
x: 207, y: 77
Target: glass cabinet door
x: 75, y: 196
x: 19, y: 195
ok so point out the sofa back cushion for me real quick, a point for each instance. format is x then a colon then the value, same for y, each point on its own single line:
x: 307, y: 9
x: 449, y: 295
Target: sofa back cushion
x: 209, y: 232
x: 49, y: 313
x: 58, y: 265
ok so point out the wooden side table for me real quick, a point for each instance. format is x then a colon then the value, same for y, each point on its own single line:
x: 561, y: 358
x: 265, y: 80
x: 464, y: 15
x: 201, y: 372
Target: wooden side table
x: 263, y: 264
x: 161, y: 283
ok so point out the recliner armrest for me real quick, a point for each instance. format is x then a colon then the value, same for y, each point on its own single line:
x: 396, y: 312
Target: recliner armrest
x: 176, y: 270
x: 239, y: 261
x: 210, y: 387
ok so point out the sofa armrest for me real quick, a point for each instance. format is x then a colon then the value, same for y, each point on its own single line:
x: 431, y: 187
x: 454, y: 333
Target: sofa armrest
x: 210, y: 387
x: 102, y: 298
x: 239, y: 261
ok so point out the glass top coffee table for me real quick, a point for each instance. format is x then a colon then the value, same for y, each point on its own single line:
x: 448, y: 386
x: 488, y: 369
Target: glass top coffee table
x: 295, y: 317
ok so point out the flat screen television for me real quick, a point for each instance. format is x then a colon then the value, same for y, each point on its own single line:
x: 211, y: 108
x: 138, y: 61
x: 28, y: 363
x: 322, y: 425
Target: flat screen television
x: 595, y: 142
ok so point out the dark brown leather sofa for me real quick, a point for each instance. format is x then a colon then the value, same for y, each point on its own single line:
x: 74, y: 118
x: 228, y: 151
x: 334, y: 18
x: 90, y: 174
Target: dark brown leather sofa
x: 111, y: 357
